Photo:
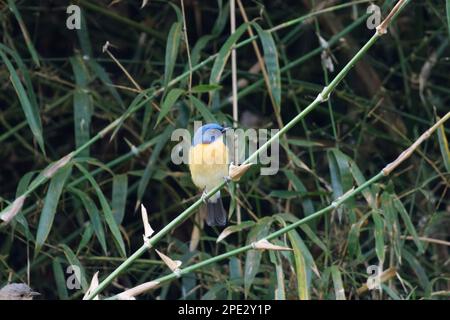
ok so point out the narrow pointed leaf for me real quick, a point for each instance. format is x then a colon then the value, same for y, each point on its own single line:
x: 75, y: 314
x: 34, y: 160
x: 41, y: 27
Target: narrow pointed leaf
x: 50, y: 204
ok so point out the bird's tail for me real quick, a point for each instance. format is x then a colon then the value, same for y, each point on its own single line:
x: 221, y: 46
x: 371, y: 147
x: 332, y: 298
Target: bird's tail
x: 216, y: 213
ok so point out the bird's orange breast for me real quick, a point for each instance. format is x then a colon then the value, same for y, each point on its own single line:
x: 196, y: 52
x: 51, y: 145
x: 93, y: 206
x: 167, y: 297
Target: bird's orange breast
x: 208, y: 164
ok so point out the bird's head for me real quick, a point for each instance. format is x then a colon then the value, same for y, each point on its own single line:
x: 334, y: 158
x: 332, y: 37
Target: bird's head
x: 17, y: 291
x: 208, y: 133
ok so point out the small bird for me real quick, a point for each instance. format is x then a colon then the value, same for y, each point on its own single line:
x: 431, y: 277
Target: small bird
x: 209, y: 165
x: 17, y: 291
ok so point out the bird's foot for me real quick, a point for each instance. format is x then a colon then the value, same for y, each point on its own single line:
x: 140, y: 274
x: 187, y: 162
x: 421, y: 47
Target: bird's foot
x: 204, y: 196
x: 227, y: 180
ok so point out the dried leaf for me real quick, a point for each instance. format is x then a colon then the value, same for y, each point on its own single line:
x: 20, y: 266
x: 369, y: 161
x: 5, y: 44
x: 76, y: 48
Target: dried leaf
x: 133, y: 292
x: 14, y: 209
x: 92, y: 287
x: 263, y: 244
x: 173, y: 265
x: 148, y: 231
x: 51, y: 169
x: 236, y: 172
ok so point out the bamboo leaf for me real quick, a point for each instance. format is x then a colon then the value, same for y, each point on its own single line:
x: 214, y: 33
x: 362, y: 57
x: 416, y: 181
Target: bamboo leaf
x: 337, y: 281
x: 168, y: 102
x: 150, y: 167
x: 379, y: 235
x: 73, y: 261
x: 50, y: 204
x: 443, y: 142
x: 300, y: 266
x: 94, y: 216
x: 368, y: 193
x: 86, y: 237
x: 28, y: 104
x: 232, y: 229
x: 26, y: 35
x: 448, y: 15
x: 173, y: 43
x: 82, y: 104
x: 119, y: 196
x: 398, y: 205
x: 203, y: 109
x: 253, y: 257
x: 271, y: 61
x: 307, y: 204
x: 280, y: 290
x: 224, y: 53
x: 113, y: 227
x: 202, y: 88
x: 60, y: 280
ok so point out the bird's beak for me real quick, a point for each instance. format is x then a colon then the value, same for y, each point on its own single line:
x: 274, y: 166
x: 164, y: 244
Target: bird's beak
x: 225, y: 129
x: 34, y: 293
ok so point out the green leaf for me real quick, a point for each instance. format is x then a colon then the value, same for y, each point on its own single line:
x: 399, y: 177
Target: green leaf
x: 271, y: 61
x: 341, y: 179
x: 203, y: 109
x: 145, y: 96
x: 50, y: 204
x: 224, y: 53
x: 253, y: 257
x: 94, y: 216
x: 398, y: 205
x: 417, y: 268
x: 73, y: 261
x: 83, y: 35
x: 307, y: 204
x: 82, y: 105
x: 448, y: 15
x: 27, y: 101
x: 337, y: 281
x: 392, y: 223
x: 300, y: 266
x: 280, y: 291
x: 235, y: 228
x: 113, y: 227
x: 368, y: 193
x: 354, y: 248
x: 106, y: 80
x: 202, y: 88
x: 168, y: 102
x: 311, y: 235
x: 173, y: 43
x: 26, y: 35
x: 86, y: 237
x: 443, y: 143
x: 150, y: 167
x: 60, y: 280
x: 119, y: 197
x: 24, y: 182
x: 283, y: 194
x: 379, y: 235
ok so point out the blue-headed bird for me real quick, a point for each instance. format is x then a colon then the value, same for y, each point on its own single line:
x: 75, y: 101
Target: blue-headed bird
x: 209, y: 163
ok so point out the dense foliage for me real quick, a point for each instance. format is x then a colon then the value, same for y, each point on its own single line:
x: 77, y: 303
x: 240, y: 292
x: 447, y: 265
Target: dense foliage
x: 61, y: 87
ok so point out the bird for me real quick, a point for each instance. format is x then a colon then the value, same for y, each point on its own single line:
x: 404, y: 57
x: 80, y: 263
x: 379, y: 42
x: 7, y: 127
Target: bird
x: 17, y: 291
x: 209, y: 165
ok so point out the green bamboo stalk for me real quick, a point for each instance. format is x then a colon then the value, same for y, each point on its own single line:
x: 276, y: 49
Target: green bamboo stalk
x: 323, y: 96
